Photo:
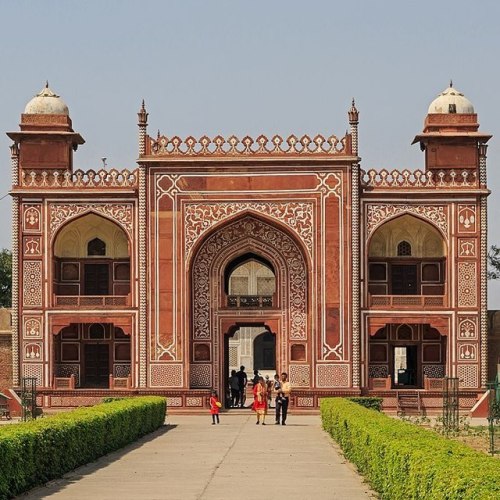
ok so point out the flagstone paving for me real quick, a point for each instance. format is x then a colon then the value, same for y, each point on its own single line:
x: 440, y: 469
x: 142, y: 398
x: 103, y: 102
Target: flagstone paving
x: 192, y: 459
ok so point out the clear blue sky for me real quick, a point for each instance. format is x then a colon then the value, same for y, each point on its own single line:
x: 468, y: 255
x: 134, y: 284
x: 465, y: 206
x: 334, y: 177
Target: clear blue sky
x: 209, y: 67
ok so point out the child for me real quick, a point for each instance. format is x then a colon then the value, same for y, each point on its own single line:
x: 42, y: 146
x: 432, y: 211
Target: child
x: 215, y: 405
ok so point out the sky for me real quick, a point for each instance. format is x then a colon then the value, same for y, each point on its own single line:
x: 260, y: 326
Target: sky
x: 251, y: 67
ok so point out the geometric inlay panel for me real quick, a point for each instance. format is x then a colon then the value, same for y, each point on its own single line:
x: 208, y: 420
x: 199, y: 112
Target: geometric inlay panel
x: 34, y: 370
x: 32, y: 283
x: 332, y: 375
x: 467, y: 284
x: 305, y: 401
x: 300, y: 375
x: 174, y: 401
x: 468, y: 376
x: 378, y: 371
x: 66, y: 370
x: 121, y: 370
x: 433, y: 371
x: 194, y: 401
x: 200, y: 376
x: 166, y: 375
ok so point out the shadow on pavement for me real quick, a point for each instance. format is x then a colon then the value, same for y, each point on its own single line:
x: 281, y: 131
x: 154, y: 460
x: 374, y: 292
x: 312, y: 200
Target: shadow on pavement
x: 74, y: 476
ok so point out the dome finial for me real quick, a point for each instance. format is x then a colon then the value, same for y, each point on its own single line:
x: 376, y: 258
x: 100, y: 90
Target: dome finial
x: 46, y: 84
x: 451, y: 83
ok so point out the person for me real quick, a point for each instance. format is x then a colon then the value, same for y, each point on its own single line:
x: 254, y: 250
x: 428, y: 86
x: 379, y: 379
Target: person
x: 276, y: 389
x: 256, y: 378
x: 234, y: 386
x: 260, y: 401
x: 242, y: 385
x: 215, y: 406
x: 283, y: 399
x: 269, y: 390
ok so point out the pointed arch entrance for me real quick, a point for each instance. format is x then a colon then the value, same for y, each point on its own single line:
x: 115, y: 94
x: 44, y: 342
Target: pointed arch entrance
x: 214, y: 310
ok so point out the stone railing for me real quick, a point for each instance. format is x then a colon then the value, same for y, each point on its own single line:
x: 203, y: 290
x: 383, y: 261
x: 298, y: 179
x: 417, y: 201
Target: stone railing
x: 419, y: 179
x: 250, y: 301
x: 406, y: 301
x: 91, y: 300
x: 262, y: 146
x: 80, y: 179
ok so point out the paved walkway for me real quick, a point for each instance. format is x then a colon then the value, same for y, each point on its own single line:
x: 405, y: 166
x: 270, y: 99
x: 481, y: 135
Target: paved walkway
x: 192, y: 459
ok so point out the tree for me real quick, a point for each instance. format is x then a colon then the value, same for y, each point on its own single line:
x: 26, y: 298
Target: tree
x: 5, y: 278
x: 494, y: 263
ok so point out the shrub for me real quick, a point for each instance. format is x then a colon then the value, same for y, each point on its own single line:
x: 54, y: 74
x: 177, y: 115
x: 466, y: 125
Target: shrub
x: 401, y: 460
x: 372, y: 403
x: 35, y: 452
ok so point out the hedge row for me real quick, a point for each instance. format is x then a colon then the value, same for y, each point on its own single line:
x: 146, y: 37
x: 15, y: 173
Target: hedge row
x: 35, y: 452
x: 402, y: 460
x: 368, y: 402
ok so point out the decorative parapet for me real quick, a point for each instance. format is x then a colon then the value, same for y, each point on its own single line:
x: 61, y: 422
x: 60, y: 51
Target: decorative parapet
x: 80, y: 179
x: 262, y: 146
x: 419, y: 179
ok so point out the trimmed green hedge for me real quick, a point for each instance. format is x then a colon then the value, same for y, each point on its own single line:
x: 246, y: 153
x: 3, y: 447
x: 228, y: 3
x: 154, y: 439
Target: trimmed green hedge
x: 372, y: 403
x: 404, y: 461
x: 35, y: 452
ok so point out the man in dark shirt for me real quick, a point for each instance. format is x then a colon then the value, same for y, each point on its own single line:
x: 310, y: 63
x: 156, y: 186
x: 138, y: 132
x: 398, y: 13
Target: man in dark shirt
x: 242, y: 380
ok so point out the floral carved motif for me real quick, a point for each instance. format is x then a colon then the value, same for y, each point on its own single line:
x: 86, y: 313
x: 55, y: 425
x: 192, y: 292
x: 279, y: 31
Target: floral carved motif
x: 467, y: 247
x: 32, y: 327
x: 198, y: 218
x: 466, y: 218
x: 276, y: 241
x: 119, y: 212
x: 32, y: 245
x: 467, y: 328
x: 377, y: 214
x: 32, y: 218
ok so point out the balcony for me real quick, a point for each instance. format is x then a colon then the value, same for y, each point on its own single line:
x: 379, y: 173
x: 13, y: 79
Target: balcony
x: 96, y: 301
x: 250, y: 301
x: 406, y: 301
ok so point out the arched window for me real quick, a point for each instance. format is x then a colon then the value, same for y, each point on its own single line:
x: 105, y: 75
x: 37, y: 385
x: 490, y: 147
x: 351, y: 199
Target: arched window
x: 404, y: 249
x: 96, y: 247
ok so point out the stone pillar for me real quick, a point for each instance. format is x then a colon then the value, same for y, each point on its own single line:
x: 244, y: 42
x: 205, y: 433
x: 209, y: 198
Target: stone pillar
x: 355, y: 256
x: 483, y: 316
x: 14, y: 151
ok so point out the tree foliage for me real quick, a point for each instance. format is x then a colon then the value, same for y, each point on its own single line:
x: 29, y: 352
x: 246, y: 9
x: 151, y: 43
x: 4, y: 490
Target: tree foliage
x: 5, y: 278
x: 494, y: 263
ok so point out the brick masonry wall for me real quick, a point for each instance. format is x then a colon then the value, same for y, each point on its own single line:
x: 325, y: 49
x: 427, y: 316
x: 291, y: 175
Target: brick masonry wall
x: 5, y: 349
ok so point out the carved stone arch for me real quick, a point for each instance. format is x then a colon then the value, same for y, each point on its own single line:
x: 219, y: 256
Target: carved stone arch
x: 60, y: 215
x: 372, y: 231
x: 245, y: 234
x: 377, y: 216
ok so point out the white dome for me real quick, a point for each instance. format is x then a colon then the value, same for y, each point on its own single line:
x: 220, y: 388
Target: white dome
x: 46, y: 103
x: 451, y: 101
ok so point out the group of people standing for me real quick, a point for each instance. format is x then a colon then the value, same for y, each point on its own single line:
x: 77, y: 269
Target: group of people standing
x: 264, y: 390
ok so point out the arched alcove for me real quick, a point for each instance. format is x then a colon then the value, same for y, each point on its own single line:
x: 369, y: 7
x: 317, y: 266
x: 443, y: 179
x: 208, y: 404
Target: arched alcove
x: 407, y: 257
x: 91, y: 257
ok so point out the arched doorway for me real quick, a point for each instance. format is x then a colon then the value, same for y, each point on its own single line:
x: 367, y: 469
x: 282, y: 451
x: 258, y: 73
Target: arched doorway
x: 266, y: 268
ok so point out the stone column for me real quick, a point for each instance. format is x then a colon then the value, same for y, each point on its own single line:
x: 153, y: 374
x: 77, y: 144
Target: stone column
x: 483, y: 317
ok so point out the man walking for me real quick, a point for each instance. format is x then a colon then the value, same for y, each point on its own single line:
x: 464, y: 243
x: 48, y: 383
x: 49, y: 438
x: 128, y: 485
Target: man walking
x: 283, y: 399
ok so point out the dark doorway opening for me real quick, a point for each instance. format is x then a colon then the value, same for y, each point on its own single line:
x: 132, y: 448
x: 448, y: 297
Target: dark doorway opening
x: 264, y: 352
x: 96, y: 367
x: 96, y: 279
x: 405, y: 361
x: 404, y: 279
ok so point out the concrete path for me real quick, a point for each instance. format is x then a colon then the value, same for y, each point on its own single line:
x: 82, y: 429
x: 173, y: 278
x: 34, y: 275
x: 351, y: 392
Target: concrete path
x: 192, y: 459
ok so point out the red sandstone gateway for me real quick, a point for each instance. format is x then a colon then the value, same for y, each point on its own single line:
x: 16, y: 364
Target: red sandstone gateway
x: 279, y: 254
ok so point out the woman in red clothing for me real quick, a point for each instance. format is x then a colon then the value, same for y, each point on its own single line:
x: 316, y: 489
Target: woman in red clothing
x: 260, y: 401
x: 215, y: 406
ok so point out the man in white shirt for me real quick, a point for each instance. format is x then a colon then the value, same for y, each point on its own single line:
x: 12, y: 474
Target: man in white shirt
x: 283, y: 399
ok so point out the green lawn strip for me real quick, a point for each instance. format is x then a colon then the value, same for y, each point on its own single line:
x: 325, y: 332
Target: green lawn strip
x: 35, y: 452
x: 401, y: 460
